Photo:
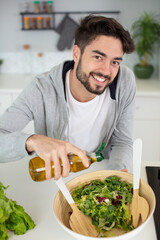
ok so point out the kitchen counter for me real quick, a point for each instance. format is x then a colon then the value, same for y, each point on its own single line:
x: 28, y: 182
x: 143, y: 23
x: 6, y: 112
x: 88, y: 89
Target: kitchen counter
x: 37, y: 200
x: 148, y: 87
x: 17, y: 82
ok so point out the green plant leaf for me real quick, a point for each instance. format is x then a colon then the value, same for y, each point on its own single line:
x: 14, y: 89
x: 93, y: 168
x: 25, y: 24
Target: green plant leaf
x: 146, y: 33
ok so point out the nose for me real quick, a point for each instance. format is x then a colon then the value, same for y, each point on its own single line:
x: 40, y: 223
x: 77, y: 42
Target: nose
x: 106, y: 68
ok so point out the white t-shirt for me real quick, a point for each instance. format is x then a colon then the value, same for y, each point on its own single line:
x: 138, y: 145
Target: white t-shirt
x: 86, y: 119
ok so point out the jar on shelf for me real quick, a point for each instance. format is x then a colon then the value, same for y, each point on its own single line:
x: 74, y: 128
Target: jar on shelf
x: 48, y: 22
x: 44, y: 7
x: 26, y: 23
x: 36, y: 7
x: 50, y: 6
x: 26, y: 7
x: 39, y: 22
x: 33, y: 23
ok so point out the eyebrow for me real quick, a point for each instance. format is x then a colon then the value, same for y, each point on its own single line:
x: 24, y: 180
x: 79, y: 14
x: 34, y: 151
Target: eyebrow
x: 118, y: 58
x: 100, y: 53
x: 104, y: 55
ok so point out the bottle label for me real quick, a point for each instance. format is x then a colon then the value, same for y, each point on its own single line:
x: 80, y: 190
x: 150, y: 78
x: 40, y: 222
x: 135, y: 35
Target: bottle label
x: 92, y: 155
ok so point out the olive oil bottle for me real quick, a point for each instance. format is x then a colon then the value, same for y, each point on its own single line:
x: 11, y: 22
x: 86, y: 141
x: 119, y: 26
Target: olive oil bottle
x: 37, y: 165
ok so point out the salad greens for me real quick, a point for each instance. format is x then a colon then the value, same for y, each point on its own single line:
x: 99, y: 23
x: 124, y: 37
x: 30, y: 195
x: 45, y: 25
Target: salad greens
x: 106, y: 202
x: 12, y: 216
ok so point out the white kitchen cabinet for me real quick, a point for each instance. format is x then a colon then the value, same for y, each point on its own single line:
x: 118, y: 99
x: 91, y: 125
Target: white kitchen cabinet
x: 5, y: 101
x: 147, y: 125
x: 11, y: 86
x: 6, y: 98
x: 147, y: 107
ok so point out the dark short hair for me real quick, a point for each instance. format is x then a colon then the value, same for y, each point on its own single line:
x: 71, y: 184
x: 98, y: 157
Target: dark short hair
x: 92, y: 26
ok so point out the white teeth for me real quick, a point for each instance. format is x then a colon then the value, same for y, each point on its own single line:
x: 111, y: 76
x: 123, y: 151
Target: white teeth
x: 99, y: 78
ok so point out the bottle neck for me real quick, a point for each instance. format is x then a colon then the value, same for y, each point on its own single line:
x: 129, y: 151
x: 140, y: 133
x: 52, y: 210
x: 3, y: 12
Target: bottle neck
x: 99, y: 156
x: 96, y: 156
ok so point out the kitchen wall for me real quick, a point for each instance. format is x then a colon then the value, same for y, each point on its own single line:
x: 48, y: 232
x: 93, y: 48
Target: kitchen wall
x: 12, y: 38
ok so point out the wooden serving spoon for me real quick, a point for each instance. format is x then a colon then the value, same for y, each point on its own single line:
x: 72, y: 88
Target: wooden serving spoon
x: 79, y: 222
x: 139, y: 205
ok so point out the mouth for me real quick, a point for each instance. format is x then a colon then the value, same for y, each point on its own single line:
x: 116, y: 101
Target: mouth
x: 100, y: 79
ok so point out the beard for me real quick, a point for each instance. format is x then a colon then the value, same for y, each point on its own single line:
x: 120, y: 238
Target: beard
x: 84, y: 79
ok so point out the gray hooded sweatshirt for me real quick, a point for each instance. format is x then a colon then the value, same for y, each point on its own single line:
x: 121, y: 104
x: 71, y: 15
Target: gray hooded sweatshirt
x: 44, y: 102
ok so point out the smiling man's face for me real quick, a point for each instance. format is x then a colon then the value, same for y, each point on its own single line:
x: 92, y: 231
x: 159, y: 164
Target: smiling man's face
x: 99, y: 64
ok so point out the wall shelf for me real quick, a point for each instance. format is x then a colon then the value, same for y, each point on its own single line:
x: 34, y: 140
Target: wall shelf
x: 38, y: 29
x: 71, y: 12
x: 65, y: 28
x: 52, y: 14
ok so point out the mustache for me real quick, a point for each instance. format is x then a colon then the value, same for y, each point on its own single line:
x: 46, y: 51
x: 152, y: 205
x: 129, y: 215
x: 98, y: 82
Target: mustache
x: 101, y: 75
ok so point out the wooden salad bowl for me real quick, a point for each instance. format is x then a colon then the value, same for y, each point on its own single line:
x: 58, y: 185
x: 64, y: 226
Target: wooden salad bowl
x: 62, y: 210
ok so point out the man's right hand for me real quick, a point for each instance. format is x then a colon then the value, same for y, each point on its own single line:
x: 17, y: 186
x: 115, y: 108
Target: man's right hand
x: 50, y: 149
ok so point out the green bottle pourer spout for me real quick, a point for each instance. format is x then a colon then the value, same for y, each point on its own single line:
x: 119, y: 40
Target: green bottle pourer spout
x: 99, y: 153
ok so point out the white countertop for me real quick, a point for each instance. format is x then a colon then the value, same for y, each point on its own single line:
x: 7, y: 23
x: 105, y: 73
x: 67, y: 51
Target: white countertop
x: 148, y: 87
x: 17, y: 82
x: 37, y: 200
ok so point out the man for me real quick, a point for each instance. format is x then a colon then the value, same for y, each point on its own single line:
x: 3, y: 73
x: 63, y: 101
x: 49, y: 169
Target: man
x: 78, y: 104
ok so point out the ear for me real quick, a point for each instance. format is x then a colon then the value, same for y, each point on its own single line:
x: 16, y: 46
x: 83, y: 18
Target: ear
x: 76, y: 53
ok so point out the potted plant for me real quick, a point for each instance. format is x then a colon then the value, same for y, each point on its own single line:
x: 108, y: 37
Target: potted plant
x: 1, y: 61
x: 146, y: 33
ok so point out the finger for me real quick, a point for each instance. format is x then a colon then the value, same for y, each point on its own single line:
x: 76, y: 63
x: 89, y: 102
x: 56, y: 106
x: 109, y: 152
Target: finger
x: 57, y: 168
x: 84, y: 158
x: 66, y: 166
x: 77, y: 151
x: 48, y: 169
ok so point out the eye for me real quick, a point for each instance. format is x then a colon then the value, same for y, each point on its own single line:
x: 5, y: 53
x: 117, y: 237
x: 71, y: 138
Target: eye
x: 97, y: 57
x: 116, y: 63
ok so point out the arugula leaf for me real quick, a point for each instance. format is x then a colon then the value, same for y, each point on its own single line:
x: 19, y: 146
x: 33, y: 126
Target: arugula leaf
x: 106, y: 202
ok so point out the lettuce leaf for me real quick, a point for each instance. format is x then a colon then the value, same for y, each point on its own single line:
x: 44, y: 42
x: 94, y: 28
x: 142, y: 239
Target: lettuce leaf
x: 12, y: 216
x: 3, y: 233
x: 106, y: 202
